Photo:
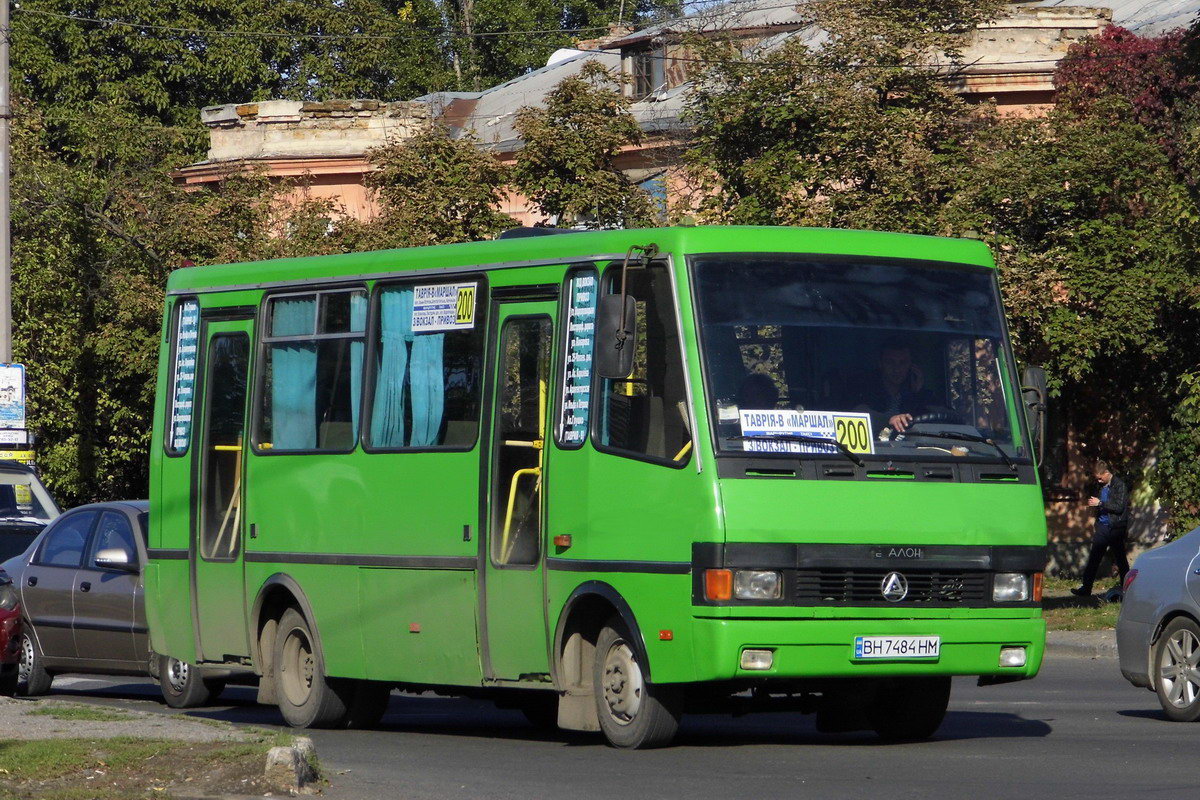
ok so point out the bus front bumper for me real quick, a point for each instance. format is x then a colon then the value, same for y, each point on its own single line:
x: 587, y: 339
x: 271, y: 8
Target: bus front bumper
x: 816, y: 648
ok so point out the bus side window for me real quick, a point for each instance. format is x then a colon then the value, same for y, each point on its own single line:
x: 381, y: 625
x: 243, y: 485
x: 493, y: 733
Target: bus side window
x: 575, y: 389
x: 428, y: 369
x: 646, y: 414
x: 184, y: 338
x: 312, y: 382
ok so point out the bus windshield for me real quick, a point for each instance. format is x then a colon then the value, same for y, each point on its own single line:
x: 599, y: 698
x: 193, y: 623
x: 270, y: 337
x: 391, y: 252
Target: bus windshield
x: 890, y: 358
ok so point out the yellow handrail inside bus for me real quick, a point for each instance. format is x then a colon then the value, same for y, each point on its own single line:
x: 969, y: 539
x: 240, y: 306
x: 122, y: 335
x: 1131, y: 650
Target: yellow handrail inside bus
x: 506, y: 542
x: 687, y: 448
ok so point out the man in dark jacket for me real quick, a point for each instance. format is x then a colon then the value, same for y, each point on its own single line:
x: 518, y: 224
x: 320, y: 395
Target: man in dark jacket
x: 1112, y: 527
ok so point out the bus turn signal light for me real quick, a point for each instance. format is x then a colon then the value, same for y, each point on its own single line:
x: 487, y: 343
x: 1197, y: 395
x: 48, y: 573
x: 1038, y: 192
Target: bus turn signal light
x: 718, y: 584
x: 1037, y: 587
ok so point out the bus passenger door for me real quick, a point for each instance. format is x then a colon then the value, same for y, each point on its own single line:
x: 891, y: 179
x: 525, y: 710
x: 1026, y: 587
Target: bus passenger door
x: 515, y: 619
x: 218, y: 589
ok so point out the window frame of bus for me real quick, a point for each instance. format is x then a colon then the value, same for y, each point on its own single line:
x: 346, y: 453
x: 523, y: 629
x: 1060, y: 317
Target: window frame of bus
x: 370, y: 368
x: 173, y: 337
x: 597, y: 397
x: 259, y: 359
x: 561, y: 347
x: 698, y: 316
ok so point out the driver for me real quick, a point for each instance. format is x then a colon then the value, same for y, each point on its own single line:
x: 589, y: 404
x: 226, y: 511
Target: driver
x: 899, y: 392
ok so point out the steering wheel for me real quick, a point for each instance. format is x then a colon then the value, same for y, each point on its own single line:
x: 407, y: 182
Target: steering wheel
x: 944, y: 415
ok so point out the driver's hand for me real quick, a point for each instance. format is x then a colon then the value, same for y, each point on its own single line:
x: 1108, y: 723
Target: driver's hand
x: 900, y: 422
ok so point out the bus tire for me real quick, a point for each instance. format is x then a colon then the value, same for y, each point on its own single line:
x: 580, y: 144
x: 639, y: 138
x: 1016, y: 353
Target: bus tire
x: 907, y: 709
x: 306, y: 698
x: 634, y: 713
x: 32, y: 677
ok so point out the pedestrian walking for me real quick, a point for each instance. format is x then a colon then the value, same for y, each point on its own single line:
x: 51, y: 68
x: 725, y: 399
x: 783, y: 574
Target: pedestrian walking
x: 1111, y: 506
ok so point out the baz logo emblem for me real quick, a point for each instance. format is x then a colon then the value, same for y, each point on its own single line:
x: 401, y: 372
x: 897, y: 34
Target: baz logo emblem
x: 901, y: 552
x: 894, y: 587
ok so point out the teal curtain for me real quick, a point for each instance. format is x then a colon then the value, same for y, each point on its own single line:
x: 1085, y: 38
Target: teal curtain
x: 293, y: 376
x: 427, y: 384
x: 395, y: 330
x: 407, y: 362
x: 358, y: 322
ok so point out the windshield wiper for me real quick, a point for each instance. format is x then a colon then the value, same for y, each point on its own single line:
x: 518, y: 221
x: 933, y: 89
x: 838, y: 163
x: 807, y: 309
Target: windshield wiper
x: 972, y: 437
x: 795, y: 437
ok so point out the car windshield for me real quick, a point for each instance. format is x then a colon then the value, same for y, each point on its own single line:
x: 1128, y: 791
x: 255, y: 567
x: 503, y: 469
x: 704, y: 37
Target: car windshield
x: 23, y: 500
x: 890, y: 358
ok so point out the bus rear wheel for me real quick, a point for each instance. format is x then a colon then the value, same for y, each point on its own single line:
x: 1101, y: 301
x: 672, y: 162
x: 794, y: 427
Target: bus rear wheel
x: 634, y: 713
x: 906, y: 709
x: 306, y: 698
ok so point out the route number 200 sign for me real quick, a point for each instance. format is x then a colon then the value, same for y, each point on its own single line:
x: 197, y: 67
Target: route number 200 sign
x: 851, y: 429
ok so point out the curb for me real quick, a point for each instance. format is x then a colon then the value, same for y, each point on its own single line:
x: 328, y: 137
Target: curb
x: 1082, y: 644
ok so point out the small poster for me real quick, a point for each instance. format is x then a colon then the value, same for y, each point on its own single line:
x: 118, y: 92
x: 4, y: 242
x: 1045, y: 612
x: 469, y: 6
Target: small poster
x: 577, y: 371
x: 444, y: 307
x: 849, y: 428
x: 12, y: 396
x: 187, y: 339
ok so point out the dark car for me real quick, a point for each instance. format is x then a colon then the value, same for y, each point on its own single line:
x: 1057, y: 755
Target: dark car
x: 10, y: 633
x: 25, y: 508
x: 81, y: 596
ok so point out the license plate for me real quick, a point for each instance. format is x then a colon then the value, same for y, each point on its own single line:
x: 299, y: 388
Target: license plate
x: 897, y: 646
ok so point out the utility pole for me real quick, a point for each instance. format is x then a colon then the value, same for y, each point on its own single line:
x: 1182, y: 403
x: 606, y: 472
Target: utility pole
x: 5, y: 174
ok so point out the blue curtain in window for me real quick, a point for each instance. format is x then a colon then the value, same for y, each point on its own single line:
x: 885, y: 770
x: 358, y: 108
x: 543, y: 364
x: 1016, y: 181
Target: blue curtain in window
x: 428, y: 387
x: 358, y: 322
x: 293, y: 376
x: 395, y: 331
x: 412, y: 362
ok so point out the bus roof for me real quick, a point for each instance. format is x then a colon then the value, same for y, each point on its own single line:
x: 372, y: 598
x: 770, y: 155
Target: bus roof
x: 592, y: 244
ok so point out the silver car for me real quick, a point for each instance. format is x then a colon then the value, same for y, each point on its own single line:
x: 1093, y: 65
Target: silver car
x: 1158, y: 636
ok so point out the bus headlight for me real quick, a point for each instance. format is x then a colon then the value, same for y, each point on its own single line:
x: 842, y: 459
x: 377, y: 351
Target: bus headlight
x: 756, y: 584
x: 1010, y: 587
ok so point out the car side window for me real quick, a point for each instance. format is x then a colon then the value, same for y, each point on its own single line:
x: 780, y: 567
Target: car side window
x: 114, y: 533
x: 65, y: 542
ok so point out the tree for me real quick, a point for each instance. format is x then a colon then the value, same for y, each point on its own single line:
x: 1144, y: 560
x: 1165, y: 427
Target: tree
x: 855, y: 131
x: 568, y: 164
x: 432, y: 189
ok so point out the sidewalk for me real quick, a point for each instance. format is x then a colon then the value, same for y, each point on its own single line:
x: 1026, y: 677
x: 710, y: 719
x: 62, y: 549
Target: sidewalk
x: 1082, y: 644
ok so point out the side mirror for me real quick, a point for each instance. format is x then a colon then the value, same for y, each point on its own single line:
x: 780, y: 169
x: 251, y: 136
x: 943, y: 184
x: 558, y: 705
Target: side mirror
x: 616, y: 325
x: 1033, y: 393
x: 115, y: 558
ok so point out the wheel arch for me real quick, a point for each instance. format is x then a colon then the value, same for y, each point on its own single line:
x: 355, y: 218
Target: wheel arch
x: 277, y: 593
x: 586, y: 610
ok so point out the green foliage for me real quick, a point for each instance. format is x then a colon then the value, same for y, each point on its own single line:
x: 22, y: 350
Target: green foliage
x: 432, y: 189
x: 568, y: 164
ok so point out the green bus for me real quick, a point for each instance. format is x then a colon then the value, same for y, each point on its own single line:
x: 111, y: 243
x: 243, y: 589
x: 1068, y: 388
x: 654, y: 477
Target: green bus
x: 600, y: 477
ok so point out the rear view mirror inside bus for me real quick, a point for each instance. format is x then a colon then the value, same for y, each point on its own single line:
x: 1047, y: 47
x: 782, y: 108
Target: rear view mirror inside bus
x: 616, y: 323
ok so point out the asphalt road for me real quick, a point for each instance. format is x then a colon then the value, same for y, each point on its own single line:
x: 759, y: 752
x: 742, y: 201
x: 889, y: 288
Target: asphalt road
x: 1078, y: 730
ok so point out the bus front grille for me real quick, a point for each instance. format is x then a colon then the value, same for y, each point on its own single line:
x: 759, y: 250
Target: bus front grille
x: 925, y: 587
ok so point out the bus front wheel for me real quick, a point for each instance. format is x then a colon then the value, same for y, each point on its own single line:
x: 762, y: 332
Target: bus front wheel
x: 910, y: 708
x: 307, y: 699
x: 182, y: 684
x: 634, y: 713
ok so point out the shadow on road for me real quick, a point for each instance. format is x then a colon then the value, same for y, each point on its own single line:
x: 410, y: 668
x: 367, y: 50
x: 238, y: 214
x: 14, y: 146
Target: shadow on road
x: 1145, y: 713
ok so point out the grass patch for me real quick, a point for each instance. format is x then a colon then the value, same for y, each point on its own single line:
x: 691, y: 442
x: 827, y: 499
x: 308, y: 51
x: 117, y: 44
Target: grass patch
x: 128, y: 768
x: 81, y: 713
x: 1066, y: 612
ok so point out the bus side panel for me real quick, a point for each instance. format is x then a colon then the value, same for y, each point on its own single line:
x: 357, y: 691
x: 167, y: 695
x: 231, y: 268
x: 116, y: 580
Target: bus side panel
x: 345, y: 511
x: 624, y: 510
x: 408, y: 634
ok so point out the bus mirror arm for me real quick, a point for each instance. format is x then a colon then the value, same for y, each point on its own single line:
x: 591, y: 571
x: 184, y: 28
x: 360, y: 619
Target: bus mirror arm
x: 1034, y: 393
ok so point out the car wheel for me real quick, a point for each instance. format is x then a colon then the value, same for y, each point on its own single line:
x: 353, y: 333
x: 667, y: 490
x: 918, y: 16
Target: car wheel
x: 8, y: 680
x: 32, y: 677
x: 909, y: 708
x: 634, y: 713
x: 306, y: 697
x: 1176, y: 655
x: 181, y: 683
